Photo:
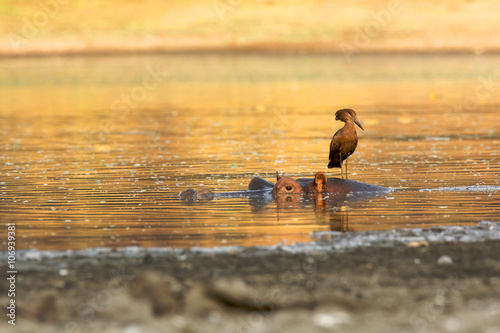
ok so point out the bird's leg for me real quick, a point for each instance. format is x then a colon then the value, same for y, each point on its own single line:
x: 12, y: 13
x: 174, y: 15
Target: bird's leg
x: 346, y: 168
x: 341, y: 171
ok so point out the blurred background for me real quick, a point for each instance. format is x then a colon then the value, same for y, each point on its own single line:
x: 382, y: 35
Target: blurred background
x: 95, y: 26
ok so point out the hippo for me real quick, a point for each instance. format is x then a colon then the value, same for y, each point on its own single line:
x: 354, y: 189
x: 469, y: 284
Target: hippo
x: 292, y: 190
x: 190, y: 195
x: 318, y: 193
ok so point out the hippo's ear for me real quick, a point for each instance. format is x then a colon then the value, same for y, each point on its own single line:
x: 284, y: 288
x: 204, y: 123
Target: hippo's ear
x: 320, y: 182
x: 277, y: 176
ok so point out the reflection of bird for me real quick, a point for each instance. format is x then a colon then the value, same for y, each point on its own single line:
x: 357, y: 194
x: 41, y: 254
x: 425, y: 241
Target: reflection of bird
x: 345, y: 141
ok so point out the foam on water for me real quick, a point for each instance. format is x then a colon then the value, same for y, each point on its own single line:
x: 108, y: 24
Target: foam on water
x: 484, y: 230
x: 327, y: 242
x: 475, y: 188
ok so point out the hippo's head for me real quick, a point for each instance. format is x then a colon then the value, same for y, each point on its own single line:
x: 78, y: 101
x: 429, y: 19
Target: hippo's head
x: 286, y: 186
x: 192, y: 195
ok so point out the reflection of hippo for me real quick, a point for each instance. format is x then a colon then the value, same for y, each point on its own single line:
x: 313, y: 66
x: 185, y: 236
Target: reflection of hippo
x: 333, y: 188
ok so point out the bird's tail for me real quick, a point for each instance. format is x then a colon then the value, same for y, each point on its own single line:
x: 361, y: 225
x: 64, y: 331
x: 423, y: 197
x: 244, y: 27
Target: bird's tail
x: 334, y: 163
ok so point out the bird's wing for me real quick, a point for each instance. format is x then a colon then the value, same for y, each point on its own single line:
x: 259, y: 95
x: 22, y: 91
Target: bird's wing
x: 334, y: 145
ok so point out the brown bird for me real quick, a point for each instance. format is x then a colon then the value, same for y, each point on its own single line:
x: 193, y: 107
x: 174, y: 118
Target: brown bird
x: 345, y: 141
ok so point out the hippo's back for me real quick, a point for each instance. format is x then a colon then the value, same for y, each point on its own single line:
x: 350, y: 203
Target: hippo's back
x: 347, y: 186
x: 338, y: 185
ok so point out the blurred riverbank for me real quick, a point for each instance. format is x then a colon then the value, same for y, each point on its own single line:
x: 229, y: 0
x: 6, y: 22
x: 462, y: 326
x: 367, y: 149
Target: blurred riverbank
x: 110, y: 27
x: 431, y: 287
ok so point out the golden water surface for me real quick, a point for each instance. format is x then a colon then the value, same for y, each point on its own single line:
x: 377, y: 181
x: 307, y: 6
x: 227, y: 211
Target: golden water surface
x: 95, y: 150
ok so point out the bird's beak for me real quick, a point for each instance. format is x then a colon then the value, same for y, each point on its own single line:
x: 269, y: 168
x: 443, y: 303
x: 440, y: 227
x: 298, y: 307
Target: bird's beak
x: 357, y: 122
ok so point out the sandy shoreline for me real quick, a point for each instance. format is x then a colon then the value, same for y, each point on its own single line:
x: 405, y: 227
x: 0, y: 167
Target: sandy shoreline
x: 410, y: 285
x: 411, y: 289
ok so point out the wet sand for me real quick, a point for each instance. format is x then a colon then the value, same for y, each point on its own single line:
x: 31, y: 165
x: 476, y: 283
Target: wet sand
x: 413, y: 287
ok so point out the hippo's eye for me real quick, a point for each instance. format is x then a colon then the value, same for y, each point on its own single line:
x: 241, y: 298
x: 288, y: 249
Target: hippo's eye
x: 289, y: 187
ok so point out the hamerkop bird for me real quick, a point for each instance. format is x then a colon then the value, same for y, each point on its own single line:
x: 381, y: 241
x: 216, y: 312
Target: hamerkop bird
x: 345, y: 141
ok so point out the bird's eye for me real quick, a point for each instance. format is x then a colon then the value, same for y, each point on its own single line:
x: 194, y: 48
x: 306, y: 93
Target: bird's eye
x: 289, y: 188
